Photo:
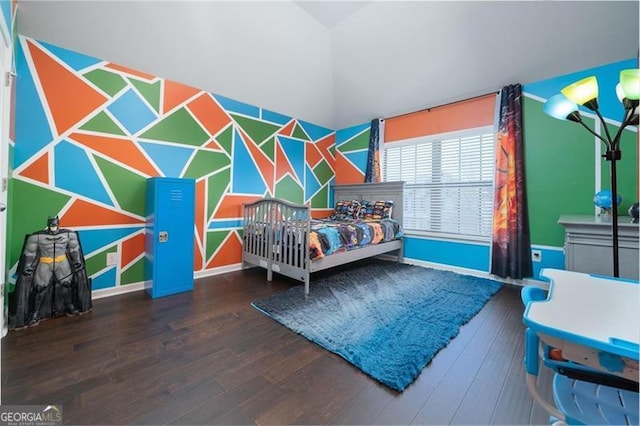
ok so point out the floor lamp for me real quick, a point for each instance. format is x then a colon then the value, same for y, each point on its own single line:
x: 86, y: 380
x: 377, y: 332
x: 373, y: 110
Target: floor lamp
x: 564, y: 106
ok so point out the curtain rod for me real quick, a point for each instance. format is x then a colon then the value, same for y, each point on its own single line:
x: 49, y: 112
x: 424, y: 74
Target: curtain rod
x: 493, y: 92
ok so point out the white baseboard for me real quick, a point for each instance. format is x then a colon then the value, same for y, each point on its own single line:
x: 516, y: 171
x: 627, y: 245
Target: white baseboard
x: 217, y: 271
x: 129, y: 288
x: 476, y: 273
x: 114, y: 291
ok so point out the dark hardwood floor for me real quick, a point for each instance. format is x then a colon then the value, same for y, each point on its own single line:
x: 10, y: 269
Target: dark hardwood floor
x: 208, y: 357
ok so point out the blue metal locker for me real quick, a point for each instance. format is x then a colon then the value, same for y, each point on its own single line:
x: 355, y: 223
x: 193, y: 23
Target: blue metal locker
x: 170, y: 214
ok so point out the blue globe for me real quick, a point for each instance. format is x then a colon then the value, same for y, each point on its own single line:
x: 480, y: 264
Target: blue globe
x: 602, y: 199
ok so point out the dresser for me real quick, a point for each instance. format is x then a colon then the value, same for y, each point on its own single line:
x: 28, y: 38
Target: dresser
x: 588, y: 245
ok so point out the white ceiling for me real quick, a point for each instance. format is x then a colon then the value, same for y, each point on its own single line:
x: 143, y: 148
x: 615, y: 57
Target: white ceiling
x: 394, y: 57
x: 340, y: 64
x: 331, y: 13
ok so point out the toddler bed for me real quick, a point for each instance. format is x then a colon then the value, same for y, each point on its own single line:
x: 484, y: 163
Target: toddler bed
x: 281, y: 236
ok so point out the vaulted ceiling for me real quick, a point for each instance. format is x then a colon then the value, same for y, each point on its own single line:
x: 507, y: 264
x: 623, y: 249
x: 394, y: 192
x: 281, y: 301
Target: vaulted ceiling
x: 339, y: 64
x: 331, y: 13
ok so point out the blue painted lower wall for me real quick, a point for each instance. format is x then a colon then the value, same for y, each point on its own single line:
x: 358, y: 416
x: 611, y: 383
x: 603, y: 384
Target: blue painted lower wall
x: 471, y: 255
x: 463, y: 255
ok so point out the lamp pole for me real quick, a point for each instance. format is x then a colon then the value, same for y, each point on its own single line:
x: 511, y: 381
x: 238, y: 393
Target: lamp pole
x: 613, y: 154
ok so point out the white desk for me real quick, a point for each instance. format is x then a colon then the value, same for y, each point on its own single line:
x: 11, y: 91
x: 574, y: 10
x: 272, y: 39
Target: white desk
x: 594, y: 320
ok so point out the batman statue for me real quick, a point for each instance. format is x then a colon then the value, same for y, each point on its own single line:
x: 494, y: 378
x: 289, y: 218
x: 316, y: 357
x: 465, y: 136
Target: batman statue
x: 52, y: 280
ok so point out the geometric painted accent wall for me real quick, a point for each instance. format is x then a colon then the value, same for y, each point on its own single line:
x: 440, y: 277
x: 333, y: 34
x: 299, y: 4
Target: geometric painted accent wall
x: 89, y: 133
x: 7, y: 10
x: 352, y: 147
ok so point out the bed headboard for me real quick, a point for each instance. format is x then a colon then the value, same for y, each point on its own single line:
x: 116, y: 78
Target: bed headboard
x: 392, y: 191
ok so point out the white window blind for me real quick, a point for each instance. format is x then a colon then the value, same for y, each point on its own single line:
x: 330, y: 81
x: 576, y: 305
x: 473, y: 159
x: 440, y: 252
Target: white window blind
x: 448, y: 182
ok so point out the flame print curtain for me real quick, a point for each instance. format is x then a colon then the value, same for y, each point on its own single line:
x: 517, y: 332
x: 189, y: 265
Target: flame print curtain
x: 510, y: 248
x: 373, y: 158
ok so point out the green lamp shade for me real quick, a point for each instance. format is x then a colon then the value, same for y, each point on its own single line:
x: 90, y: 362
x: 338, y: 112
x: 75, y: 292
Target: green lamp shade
x: 583, y: 91
x: 630, y: 82
x: 558, y: 106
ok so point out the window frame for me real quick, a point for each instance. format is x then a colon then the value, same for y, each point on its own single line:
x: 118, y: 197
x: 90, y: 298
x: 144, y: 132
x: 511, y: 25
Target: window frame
x: 458, y: 134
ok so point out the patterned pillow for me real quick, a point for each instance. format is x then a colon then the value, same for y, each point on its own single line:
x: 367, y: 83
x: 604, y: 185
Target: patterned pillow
x: 345, y: 209
x: 376, y: 210
x: 366, y: 210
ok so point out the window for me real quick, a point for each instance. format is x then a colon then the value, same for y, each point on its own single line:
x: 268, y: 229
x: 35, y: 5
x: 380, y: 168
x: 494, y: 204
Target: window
x: 449, y: 182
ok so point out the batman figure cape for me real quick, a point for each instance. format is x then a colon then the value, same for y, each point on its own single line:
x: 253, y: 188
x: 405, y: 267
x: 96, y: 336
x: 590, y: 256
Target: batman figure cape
x: 22, y: 300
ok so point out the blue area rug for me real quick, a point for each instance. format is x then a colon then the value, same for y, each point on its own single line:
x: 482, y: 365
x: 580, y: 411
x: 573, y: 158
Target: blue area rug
x: 386, y: 318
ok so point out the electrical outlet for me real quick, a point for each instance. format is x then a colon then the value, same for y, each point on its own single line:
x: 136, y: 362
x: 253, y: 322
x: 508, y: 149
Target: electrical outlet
x: 536, y: 255
x: 112, y: 259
